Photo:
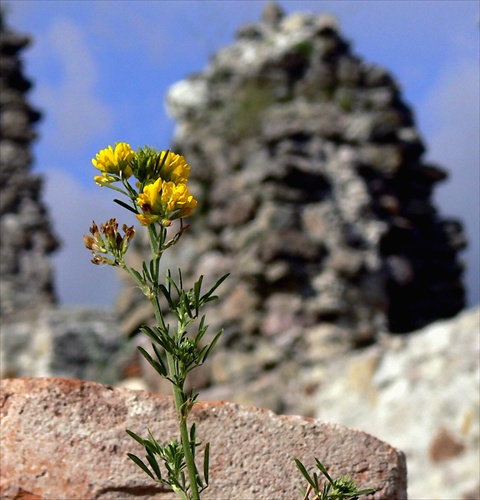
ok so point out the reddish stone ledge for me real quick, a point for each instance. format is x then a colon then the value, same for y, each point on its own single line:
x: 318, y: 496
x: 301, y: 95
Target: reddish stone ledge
x: 65, y: 440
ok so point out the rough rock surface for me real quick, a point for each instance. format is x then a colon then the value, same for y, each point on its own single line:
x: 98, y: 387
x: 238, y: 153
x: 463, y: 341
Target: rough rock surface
x: 420, y: 393
x: 74, y: 343
x: 66, y: 439
x: 26, y: 277
x: 313, y: 195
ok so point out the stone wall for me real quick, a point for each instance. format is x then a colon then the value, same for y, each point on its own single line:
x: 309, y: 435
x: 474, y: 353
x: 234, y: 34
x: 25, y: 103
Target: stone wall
x: 419, y: 392
x: 27, y: 240
x: 313, y: 195
x: 74, y: 343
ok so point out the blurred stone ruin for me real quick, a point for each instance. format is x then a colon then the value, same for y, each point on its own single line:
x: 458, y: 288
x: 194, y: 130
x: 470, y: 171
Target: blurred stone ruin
x: 37, y: 338
x: 314, y: 196
x: 27, y: 239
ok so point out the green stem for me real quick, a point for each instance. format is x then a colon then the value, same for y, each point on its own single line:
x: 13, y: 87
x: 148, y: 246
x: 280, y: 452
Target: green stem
x: 179, y: 397
x: 115, y: 188
x: 142, y: 285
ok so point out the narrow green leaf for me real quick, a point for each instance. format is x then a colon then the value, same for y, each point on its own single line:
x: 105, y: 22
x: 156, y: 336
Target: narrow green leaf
x: 192, y: 433
x: 366, y: 491
x: 167, y: 343
x: 197, y: 287
x: 138, y: 277
x: 201, y: 356
x: 159, y: 368
x: 168, y: 278
x: 150, y: 448
x: 140, y: 464
x: 153, y: 270
x: 170, y: 469
x: 202, y: 325
x: 146, y: 355
x: 208, y: 296
x: 146, y: 274
x: 326, y: 491
x: 166, y: 293
x: 154, y: 465
x: 150, y: 333
x: 206, y: 463
x: 211, y: 346
x: 185, y: 299
x: 306, y: 475
x: 171, y: 281
x: 196, y: 340
x: 199, y: 480
x: 211, y: 299
x: 180, y: 278
x: 135, y: 436
x: 159, y: 355
x: 158, y: 448
x: 324, y: 471
x: 124, y: 205
x: 163, y: 160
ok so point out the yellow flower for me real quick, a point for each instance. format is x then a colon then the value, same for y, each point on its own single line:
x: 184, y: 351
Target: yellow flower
x: 113, y: 161
x: 150, y: 165
x: 174, y: 168
x: 165, y: 201
x: 105, y: 179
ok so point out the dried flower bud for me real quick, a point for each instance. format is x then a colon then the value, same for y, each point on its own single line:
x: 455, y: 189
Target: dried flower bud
x: 94, y: 230
x: 90, y: 243
x: 114, y: 243
x: 98, y: 259
x: 128, y: 236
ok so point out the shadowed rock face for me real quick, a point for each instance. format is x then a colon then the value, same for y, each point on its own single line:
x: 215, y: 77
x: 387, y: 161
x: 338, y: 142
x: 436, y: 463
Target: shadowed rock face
x: 313, y: 194
x: 26, y: 282
x: 66, y: 439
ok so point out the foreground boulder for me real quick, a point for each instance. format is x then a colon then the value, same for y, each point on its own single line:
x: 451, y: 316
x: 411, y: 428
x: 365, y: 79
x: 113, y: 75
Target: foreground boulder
x: 65, y: 438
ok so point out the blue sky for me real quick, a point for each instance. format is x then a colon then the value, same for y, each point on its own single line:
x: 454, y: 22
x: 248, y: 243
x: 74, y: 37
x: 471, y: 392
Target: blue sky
x: 101, y: 70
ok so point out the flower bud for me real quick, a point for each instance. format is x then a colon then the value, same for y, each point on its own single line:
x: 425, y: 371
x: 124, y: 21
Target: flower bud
x: 114, y: 243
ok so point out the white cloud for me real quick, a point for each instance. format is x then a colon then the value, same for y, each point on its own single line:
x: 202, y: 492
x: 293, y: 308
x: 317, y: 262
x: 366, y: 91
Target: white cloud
x: 73, y: 208
x: 452, y: 118
x: 77, y: 115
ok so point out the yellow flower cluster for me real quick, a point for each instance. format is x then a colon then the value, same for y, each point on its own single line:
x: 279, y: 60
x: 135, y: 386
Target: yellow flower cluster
x: 165, y: 201
x: 162, y: 177
x: 113, y: 161
x: 151, y: 165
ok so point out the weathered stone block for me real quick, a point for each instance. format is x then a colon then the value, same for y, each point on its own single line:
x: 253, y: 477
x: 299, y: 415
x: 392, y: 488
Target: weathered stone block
x: 66, y: 439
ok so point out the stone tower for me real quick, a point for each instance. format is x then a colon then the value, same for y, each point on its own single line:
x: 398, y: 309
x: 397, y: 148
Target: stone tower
x: 314, y: 196
x: 26, y: 276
